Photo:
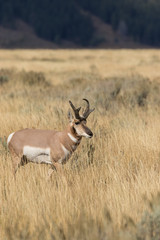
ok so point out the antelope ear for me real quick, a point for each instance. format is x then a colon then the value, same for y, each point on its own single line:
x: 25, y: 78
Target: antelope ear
x: 70, y: 117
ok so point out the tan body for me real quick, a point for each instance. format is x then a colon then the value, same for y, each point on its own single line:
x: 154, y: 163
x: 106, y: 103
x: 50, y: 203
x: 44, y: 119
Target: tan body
x: 47, y: 146
x: 50, y: 146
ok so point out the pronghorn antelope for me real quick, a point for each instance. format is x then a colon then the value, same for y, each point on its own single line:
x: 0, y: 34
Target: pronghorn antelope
x: 49, y: 146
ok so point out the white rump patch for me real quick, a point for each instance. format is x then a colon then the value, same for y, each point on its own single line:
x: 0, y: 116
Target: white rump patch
x: 10, y: 137
x: 72, y: 138
x: 37, y: 155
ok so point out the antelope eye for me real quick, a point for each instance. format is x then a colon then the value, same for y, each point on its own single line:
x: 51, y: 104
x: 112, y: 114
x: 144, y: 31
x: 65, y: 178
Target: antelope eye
x: 77, y: 123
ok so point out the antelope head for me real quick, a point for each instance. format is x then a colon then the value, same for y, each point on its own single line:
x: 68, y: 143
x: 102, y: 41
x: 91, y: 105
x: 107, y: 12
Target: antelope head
x: 78, y: 122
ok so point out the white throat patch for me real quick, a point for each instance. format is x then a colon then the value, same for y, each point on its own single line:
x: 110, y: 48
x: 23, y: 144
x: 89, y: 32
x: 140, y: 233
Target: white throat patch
x: 72, y: 138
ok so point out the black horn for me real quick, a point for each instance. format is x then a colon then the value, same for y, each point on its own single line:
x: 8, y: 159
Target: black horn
x: 76, y: 110
x: 87, y: 110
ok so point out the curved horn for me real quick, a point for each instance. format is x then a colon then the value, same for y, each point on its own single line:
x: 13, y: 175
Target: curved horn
x: 76, y: 110
x: 87, y: 110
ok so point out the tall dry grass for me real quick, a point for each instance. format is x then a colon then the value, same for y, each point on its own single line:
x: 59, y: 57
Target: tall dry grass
x: 110, y: 178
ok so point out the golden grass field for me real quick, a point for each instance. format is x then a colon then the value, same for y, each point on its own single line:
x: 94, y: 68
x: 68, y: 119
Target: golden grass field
x: 111, y: 179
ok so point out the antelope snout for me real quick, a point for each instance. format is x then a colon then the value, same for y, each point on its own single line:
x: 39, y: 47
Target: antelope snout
x: 90, y: 134
x: 87, y: 132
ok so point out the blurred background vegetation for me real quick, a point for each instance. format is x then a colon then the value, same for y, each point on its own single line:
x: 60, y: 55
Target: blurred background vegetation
x: 71, y: 20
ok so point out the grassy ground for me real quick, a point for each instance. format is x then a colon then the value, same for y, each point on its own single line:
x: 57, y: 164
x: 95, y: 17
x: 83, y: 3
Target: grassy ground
x: 113, y: 178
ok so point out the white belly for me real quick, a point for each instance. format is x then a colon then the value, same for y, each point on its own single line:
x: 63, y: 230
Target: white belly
x: 37, y: 155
